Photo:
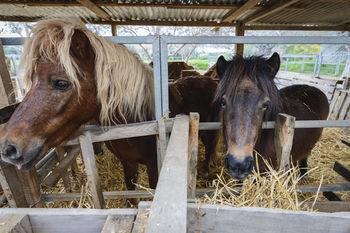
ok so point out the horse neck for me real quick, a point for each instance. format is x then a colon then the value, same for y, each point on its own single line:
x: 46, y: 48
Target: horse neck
x: 142, y: 87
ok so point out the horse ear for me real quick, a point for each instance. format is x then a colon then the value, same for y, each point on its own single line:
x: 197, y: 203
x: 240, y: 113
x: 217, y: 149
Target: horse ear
x: 221, y: 66
x: 274, y: 64
x: 80, y: 46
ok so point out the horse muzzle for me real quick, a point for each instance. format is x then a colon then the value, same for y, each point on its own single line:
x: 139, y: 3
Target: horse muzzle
x: 239, y: 169
x: 12, y: 153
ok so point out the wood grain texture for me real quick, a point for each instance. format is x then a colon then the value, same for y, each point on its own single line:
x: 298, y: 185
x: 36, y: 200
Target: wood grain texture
x: 192, y: 155
x: 118, y: 224
x: 15, y: 223
x: 169, y: 208
x: 12, y: 186
x: 31, y: 187
x: 284, y: 132
x: 87, y: 151
x: 218, y: 218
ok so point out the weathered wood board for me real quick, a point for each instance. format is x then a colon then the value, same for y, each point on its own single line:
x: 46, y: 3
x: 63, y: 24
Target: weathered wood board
x: 216, y: 218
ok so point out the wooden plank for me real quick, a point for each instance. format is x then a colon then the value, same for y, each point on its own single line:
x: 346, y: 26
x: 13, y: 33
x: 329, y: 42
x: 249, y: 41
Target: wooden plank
x: 46, y: 168
x: 114, y: 29
x: 337, y: 187
x: 87, y: 151
x: 151, y: 128
x: 284, y: 132
x: 219, y: 218
x: 141, y: 218
x: 239, y: 31
x: 61, y: 152
x: 338, y: 105
x: 330, y: 207
x: 162, y: 143
x: 342, y: 170
x: 61, y: 169
x: 12, y: 186
x: 94, y: 8
x: 118, y: 224
x: 235, y: 14
x: 169, y: 209
x: 108, y: 195
x: 333, y: 101
x: 345, y: 109
x: 15, y: 223
x: 31, y: 187
x: 193, y: 155
x: 331, y: 196
x: 7, y: 96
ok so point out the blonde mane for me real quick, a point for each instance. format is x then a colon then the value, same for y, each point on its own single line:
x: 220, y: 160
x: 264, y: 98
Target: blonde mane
x: 124, y: 83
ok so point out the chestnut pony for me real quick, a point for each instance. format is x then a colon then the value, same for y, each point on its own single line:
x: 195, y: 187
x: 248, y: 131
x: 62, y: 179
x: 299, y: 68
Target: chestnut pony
x: 74, y: 77
x: 248, y: 96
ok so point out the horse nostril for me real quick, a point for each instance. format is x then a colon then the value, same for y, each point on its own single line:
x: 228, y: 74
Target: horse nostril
x: 11, y: 151
x: 239, y: 168
x: 249, y: 163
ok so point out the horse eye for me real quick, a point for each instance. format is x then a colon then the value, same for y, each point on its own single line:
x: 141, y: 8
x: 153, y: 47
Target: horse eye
x: 223, y: 102
x: 266, y: 105
x: 61, y: 85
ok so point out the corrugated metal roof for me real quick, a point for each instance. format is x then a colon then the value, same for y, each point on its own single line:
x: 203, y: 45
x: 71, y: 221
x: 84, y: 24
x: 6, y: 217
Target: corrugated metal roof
x: 273, y: 13
x: 311, y: 12
x: 164, y: 14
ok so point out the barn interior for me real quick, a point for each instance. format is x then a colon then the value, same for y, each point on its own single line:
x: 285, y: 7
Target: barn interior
x: 240, y: 15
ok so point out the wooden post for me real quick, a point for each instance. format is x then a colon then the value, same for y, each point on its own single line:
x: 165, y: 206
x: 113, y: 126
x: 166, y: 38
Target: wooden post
x: 114, y: 29
x: 87, y: 152
x: 7, y: 96
x: 65, y: 176
x: 192, y: 155
x: 161, y: 143
x: 239, y: 32
x: 169, y: 207
x: 12, y: 186
x: 31, y: 187
x: 284, y: 131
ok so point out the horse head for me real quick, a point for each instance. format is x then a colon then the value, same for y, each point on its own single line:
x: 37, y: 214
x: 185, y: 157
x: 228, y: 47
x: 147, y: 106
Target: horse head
x: 56, y: 103
x: 247, y: 95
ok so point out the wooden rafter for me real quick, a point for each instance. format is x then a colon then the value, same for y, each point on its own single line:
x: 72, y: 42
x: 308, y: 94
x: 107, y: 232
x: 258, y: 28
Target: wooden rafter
x: 94, y: 8
x: 271, y: 10
x: 234, y: 15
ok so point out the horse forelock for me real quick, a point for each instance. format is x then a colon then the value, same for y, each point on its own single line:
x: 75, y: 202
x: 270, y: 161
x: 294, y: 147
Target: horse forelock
x: 124, y: 83
x: 253, y: 68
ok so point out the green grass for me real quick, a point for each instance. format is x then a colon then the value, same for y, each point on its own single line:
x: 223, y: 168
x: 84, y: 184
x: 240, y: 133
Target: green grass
x: 309, y: 68
x: 329, y: 70
x: 200, y: 64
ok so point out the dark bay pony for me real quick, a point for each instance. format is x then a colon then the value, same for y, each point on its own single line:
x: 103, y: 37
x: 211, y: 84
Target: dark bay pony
x: 74, y: 77
x: 248, y: 96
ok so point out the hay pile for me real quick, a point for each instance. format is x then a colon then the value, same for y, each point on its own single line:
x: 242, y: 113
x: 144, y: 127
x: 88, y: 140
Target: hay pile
x: 277, y: 190
x: 272, y: 189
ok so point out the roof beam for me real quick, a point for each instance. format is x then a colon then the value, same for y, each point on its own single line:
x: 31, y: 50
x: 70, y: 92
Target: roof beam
x: 268, y: 11
x: 94, y: 8
x: 233, y: 15
x: 299, y: 27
